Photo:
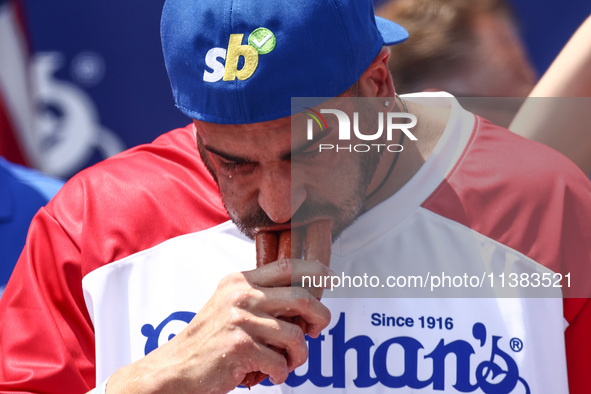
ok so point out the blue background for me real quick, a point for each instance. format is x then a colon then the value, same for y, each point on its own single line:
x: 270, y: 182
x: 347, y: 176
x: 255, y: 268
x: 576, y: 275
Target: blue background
x: 133, y: 97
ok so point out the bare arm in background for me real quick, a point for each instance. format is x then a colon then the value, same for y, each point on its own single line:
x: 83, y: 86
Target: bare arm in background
x: 565, y: 123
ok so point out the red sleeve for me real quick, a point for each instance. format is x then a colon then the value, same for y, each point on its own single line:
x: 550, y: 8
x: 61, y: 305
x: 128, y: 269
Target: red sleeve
x: 46, y: 336
x: 124, y: 205
x: 578, y: 344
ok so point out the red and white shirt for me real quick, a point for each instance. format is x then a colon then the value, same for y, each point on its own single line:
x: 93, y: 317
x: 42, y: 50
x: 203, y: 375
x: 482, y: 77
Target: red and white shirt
x: 131, y: 249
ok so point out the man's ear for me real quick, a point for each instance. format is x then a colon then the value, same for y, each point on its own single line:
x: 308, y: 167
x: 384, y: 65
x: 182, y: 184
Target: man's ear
x: 376, y: 81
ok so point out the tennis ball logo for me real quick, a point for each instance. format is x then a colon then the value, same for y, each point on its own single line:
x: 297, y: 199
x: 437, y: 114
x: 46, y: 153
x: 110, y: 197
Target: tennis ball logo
x: 223, y: 63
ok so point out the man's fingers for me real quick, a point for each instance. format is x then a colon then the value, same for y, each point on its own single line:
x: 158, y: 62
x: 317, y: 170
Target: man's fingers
x: 280, y: 298
x: 296, y: 301
x: 280, y: 334
x: 278, y: 302
x: 270, y: 362
x: 284, y: 272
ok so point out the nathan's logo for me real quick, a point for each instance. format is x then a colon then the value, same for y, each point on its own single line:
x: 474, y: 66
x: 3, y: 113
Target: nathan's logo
x: 397, y: 362
x: 154, y: 335
x: 375, y: 362
x: 386, y: 122
x: 260, y: 42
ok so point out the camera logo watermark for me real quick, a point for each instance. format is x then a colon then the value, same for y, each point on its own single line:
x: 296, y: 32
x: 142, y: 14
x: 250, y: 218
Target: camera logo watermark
x: 387, y: 122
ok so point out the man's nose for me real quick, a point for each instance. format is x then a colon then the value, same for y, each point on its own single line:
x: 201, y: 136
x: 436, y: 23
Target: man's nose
x: 279, y: 195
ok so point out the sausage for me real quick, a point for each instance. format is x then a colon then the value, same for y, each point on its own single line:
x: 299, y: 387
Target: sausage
x: 318, y: 242
x: 253, y: 378
x: 290, y: 245
x: 267, y: 243
x: 271, y: 246
x: 267, y: 251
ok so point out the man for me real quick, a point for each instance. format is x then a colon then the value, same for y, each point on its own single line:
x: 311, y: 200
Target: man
x: 134, y: 279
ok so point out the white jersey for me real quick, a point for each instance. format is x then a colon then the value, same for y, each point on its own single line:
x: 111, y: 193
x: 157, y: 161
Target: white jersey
x: 486, y: 203
x: 482, y: 345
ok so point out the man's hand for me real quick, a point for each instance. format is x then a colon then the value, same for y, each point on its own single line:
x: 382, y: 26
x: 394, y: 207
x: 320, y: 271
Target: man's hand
x: 232, y: 334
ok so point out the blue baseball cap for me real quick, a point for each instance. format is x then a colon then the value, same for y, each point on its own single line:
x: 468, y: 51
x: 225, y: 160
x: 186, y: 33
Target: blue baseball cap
x: 241, y: 61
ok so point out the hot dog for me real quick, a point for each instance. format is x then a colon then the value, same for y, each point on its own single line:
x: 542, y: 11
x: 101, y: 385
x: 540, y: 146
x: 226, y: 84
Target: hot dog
x: 318, y: 242
x: 267, y: 245
x: 271, y: 246
x: 290, y: 245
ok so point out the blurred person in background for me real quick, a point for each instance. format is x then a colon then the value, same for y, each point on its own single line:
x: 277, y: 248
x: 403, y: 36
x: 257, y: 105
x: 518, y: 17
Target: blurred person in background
x: 22, y: 192
x: 472, y: 50
x: 464, y: 47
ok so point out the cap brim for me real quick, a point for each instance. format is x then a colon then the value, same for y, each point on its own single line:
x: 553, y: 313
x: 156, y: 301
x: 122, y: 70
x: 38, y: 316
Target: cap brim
x: 392, y: 33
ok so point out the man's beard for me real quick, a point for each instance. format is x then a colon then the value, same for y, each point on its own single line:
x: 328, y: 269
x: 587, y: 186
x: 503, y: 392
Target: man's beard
x: 340, y: 217
x: 313, y: 208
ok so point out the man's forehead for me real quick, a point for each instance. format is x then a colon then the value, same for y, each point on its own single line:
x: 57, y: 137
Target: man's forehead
x: 271, y: 139
x: 267, y: 127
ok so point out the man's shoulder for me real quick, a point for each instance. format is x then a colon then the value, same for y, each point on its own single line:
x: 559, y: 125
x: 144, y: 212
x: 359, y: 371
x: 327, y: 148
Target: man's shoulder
x: 517, y: 192
x: 171, y: 161
x: 498, y: 159
x: 139, y: 198
x: 498, y: 149
x: 174, y: 149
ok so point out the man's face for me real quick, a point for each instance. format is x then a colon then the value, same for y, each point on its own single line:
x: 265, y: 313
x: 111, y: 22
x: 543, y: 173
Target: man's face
x: 271, y: 180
